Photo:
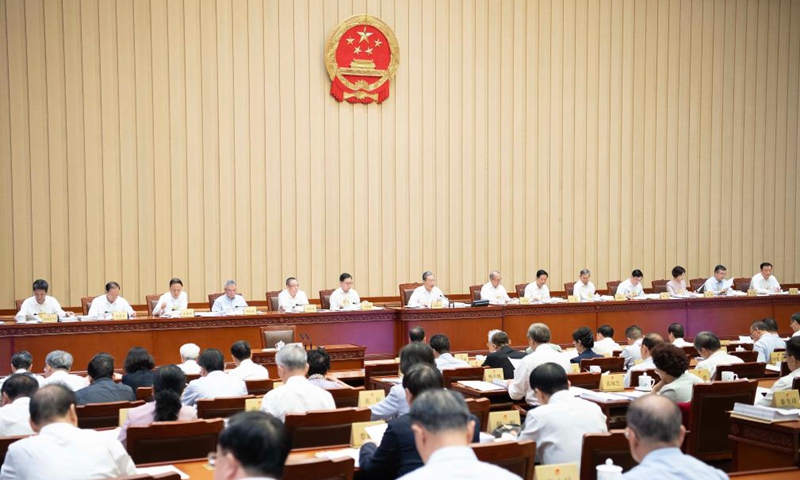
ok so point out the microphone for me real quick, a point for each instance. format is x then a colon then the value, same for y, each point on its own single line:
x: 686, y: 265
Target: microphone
x: 303, y: 340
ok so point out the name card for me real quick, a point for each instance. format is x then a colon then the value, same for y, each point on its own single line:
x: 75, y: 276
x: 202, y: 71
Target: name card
x: 612, y: 383
x: 638, y: 361
x: 253, y: 404
x: 250, y: 311
x: 751, y: 292
x: 619, y: 297
x: 187, y: 313
x: 574, y: 368
x: 367, y: 398
x: 365, y: 305
x: 437, y: 304
x: 309, y: 308
x: 664, y: 296
x: 562, y: 471
x: 524, y: 301
x: 358, y: 433
x: 793, y: 291
x: 474, y: 362
x: 608, y: 355
x: 786, y: 399
x: 702, y: 373
x: 708, y: 294
x: 491, y: 374
x: 724, y: 342
x: 462, y: 356
x: 498, y: 419
x: 572, y: 299
x: 123, y: 415
x: 276, y: 385
x: 775, y: 358
x: 119, y: 315
x: 48, y: 317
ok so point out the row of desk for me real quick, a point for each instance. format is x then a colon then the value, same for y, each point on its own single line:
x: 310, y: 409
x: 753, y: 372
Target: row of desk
x: 384, y: 331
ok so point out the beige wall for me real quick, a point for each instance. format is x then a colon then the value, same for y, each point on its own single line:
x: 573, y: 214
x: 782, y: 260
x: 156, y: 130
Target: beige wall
x: 141, y: 140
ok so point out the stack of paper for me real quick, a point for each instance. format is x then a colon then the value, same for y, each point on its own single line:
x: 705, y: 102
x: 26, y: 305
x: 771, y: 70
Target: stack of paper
x: 343, y: 453
x: 153, y: 471
x: 765, y: 414
x: 602, y: 397
x: 375, y: 432
x: 482, y: 386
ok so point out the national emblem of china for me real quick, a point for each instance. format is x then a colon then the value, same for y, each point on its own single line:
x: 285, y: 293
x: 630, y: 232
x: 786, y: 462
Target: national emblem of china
x: 361, y: 57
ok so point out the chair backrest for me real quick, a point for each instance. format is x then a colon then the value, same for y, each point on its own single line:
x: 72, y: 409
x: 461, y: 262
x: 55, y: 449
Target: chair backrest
x: 660, y: 286
x: 606, y: 364
x: 144, y: 393
x: 18, y: 303
x: 102, y: 415
x: 4, y: 444
x: 480, y: 408
x: 379, y: 370
x: 259, y: 387
x: 796, y: 383
x: 747, y: 370
x: 520, y: 288
x: 212, y: 297
x: 690, y: 351
x: 741, y: 283
x: 86, y: 302
x: 635, y: 374
x: 151, y: 301
x: 709, y: 419
x: 170, y: 441
x: 406, y: 290
x: 516, y: 457
x: 345, y: 397
x: 325, y: 299
x: 746, y: 356
x: 451, y: 376
x: 475, y: 292
x: 272, y: 334
x: 569, y: 287
x: 190, y: 377
x: 337, y: 469
x: 612, y: 286
x: 696, y: 283
x: 588, y: 380
x: 272, y: 300
x: 597, y: 447
x: 323, y: 428
x: 221, y: 407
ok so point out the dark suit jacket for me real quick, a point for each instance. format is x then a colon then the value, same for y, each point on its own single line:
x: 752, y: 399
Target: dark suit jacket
x: 586, y: 355
x: 105, y: 390
x: 499, y: 359
x: 142, y: 378
x: 397, y: 455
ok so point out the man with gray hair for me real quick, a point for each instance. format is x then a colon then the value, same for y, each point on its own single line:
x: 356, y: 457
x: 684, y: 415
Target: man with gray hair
x: 541, y: 352
x: 494, y: 291
x: 230, y: 301
x: 189, y: 354
x: 56, y: 371
x: 427, y: 293
x: 296, y: 395
x: 655, y: 434
x: 584, y: 289
x: 443, y: 429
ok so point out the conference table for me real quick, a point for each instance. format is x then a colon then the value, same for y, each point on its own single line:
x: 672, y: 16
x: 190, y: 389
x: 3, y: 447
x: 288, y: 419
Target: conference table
x: 383, y: 332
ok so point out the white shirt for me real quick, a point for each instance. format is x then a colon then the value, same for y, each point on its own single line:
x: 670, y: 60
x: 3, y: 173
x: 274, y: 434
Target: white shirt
x: 716, y: 287
x: 171, y: 303
x: 225, y: 304
x: 796, y: 334
x: 626, y: 287
x: 783, y: 384
x: 583, y: 292
x: 766, y: 345
x: 393, y: 405
x: 296, y: 396
x: 423, y: 298
x: 645, y: 365
x: 458, y: 462
x: 15, y: 418
x: 446, y: 361
x: 495, y: 295
x: 682, y: 388
x: 215, y: 384
x: 38, y: 378
x: 720, y: 357
x: 520, y: 387
x: 558, y: 427
x: 286, y: 303
x: 680, y: 343
x: 339, y: 299
x: 102, y: 308
x: 69, y: 380
x: 66, y: 452
x: 190, y: 367
x: 533, y: 292
x: 762, y: 285
x: 248, y: 370
x: 606, y: 345
x: 31, y: 307
x: 631, y: 353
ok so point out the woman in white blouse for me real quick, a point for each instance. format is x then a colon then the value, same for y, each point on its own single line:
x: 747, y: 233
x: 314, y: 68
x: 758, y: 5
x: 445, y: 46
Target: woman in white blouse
x: 676, y: 383
x: 677, y: 284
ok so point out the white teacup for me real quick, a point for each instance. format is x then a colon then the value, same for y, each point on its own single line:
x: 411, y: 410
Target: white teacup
x: 609, y: 471
x: 729, y: 376
x: 595, y: 368
x: 646, y: 382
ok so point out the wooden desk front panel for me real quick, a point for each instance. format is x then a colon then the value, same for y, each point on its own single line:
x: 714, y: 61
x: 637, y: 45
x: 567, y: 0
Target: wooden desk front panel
x: 563, y: 319
x: 758, y: 445
x: 467, y: 328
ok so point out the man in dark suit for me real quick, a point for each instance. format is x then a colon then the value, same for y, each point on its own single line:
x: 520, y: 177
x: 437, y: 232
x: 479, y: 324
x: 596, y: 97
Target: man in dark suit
x: 397, y: 454
x: 499, y: 354
x: 103, y: 389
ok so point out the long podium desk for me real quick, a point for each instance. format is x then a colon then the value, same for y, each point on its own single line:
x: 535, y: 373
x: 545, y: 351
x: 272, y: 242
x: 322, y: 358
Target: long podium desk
x: 383, y: 332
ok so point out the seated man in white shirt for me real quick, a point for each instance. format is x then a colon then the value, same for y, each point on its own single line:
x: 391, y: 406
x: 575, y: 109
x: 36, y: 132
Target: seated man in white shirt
x: 558, y: 425
x: 56, y: 371
x: 655, y: 434
x: 584, y: 289
x: 632, y: 352
x: 427, y: 293
x: 396, y: 403
x: 291, y: 297
x: 443, y: 428
x: 104, y: 305
x: 494, y: 291
x: 230, y: 301
x: 62, y: 450
x: 245, y: 368
x: 649, y: 342
x: 605, y: 344
x: 441, y: 352
x: 253, y: 445
x: 717, y: 283
x: 764, y: 281
x: 675, y: 335
x: 784, y: 383
x: 213, y: 381
x: 537, y: 291
x: 189, y: 354
x: 15, y: 414
x: 710, y: 348
x: 542, y: 352
x: 22, y: 362
x: 296, y: 395
x: 794, y: 324
x: 765, y: 341
x: 632, y: 287
x: 345, y: 296
x: 40, y: 302
x: 174, y: 300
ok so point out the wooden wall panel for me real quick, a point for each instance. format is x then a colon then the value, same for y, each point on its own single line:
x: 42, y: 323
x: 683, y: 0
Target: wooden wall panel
x: 146, y: 139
